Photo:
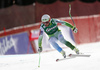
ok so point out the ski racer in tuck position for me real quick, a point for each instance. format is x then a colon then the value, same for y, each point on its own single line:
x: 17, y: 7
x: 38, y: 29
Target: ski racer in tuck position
x: 49, y: 26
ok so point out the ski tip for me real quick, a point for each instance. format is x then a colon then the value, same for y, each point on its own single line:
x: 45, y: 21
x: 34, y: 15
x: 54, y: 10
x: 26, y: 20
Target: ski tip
x: 69, y: 54
x: 57, y: 60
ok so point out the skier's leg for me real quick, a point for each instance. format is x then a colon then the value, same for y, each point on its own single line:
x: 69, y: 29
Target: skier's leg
x: 52, y: 41
x: 67, y: 43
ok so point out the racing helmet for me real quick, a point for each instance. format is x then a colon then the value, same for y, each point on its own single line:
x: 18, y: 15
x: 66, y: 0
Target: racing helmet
x: 45, y: 18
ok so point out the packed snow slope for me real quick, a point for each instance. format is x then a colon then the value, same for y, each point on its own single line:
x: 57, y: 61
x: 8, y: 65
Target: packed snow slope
x: 48, y: 60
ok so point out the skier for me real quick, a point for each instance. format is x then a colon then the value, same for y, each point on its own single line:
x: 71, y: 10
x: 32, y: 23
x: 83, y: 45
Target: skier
x: 49, y: 26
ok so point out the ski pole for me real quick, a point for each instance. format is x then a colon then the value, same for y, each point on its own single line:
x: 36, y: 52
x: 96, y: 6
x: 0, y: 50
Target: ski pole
x: 71, y: 17
x: 70, y: 14
x: 39, y: 60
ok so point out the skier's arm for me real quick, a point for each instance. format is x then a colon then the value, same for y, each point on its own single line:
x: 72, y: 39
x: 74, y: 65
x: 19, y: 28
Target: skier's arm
x: 67, y: 24
x: 40, y: 38
x: 40, y: 41
x: 64, y: 23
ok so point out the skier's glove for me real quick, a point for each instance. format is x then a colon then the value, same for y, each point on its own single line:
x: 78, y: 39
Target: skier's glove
x: 40, y: 49
x: 75, y: 29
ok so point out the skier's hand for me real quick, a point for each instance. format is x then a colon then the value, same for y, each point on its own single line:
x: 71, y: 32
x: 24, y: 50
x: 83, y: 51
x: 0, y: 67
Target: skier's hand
x: 40, y: 49
x: 75, y: 29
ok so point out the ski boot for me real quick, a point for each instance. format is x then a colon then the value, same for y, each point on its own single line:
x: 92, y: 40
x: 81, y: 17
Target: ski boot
x: 63, y: 53
x: 76, y: 51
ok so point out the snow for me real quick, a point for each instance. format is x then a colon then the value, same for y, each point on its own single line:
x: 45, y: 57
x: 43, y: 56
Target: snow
x: 48, y: 60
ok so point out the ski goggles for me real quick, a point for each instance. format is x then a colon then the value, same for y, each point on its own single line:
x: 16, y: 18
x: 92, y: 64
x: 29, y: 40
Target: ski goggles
x: 46, y: 22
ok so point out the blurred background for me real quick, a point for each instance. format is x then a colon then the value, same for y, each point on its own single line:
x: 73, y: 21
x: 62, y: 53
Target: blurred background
x: 20, y: 21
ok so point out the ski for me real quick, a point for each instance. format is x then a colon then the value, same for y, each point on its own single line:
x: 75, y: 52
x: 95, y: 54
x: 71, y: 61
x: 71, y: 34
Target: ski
x: 64, y: 59
x: 79, y: 55
x: 67, y: 57
x: 70, y: 56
